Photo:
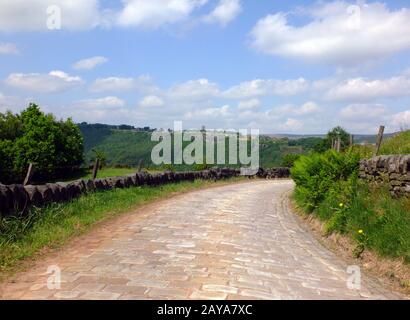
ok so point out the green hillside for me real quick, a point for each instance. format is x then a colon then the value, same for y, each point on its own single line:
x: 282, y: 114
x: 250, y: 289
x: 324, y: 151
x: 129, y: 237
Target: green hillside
x: 398, y: 144
x: 126, y: 146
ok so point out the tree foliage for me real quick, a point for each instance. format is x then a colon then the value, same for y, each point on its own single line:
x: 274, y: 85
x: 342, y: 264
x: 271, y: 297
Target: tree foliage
x: 333, y: 135
x: 55, y: 147
x: 290, y: 159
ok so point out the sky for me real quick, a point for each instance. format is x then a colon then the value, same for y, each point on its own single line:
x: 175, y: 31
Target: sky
x: 298, y: 67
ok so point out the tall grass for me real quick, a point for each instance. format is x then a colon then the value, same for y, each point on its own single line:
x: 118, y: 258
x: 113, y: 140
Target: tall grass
x: 399, y: 144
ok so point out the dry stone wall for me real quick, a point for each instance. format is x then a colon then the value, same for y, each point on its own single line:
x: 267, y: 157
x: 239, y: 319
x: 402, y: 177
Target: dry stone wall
x: 273, y: 173
x: 16, y: 199
x: 393, y: 170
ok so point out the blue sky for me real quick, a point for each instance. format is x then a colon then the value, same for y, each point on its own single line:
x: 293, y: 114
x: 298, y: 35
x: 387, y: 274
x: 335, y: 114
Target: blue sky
x: 294, y: 66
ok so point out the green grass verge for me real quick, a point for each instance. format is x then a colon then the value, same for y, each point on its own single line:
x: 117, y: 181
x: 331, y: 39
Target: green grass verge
x: 105, y: 172
x: 51, y: 227
x: 368, y: 215
x: 110, y: 172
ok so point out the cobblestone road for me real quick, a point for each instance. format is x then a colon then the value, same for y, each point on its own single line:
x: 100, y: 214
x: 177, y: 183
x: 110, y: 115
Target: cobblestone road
x: 239, y: 241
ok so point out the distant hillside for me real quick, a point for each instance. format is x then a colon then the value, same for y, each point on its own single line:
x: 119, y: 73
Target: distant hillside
x: 125, y: 146
x: 358, y: 138
x: 121, y: 146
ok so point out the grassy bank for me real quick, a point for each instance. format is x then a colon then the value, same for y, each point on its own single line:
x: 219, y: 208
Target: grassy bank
x: 328, y: 187
x: 369, y: 216
x: 399, y: 144
x: 51, y: 227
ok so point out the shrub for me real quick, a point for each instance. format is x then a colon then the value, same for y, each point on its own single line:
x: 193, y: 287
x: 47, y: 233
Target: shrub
x: 315, y: 174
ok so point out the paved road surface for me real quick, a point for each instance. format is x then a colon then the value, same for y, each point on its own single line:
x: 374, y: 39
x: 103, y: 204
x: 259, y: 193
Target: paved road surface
x: 228, y: 242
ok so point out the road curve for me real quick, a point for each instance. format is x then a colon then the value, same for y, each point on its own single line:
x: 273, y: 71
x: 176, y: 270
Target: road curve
x: 239, y: 241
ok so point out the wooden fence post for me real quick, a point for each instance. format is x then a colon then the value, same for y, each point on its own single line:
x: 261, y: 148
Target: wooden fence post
x: 351, y: 140
x: 379, y: 140
x: 96, y: 167
x: 140, y: 164
x: 29, y: 174
x: 338, y: 144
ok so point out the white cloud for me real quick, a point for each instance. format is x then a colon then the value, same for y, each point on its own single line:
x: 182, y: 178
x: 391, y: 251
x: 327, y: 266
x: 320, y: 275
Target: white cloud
x: 23, y: 15
x: 365, y: 118
x: 12, y: 103
x: 337, y: 33
x: 55, y: 81
x: 151, y: 101
x: 401, y: 120
x: 194, y: 89
x: 156, y: 13
x: 291, y: 125
x: 249, y: 104
x: 113, y: 84
x: 106, y: 102
x: 361, y: 89
x: 208, y: 113
x: 8, y: 48
x: 269, y: 87
x: 224, y: 12
x: 121, y: 84
x: 307, y: 108
x: 90, y: 63
x: 363, y: 112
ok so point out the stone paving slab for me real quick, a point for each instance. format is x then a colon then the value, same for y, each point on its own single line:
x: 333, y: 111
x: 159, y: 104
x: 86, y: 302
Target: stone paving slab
x: 239, y: 241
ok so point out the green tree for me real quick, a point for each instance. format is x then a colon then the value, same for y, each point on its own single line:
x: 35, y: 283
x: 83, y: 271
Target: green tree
x: 290, y: 159
x: 10, y: 126
x: 333, y: 135
x: 56, y: 147
x: 6, y: 161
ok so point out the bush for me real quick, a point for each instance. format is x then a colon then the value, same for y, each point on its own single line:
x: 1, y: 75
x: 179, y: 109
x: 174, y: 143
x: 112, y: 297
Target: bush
x: 315, y: 174
x: 55, y: 147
